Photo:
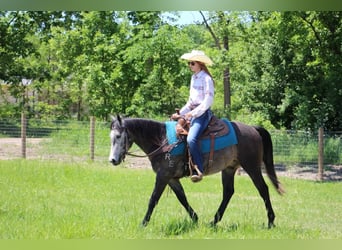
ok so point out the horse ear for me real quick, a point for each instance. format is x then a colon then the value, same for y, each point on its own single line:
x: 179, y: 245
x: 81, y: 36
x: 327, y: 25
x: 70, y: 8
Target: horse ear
x: 118, y: 118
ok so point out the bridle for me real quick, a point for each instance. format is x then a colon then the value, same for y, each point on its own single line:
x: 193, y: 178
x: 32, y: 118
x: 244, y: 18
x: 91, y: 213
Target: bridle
x: 123, y: 130
x: 164, y: 147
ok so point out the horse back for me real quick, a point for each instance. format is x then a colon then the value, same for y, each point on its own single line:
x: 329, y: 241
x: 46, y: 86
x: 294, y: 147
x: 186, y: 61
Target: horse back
x: 250, y: 142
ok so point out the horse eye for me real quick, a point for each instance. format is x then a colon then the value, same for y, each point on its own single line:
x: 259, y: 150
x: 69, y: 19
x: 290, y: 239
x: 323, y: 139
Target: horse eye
x: 118, y: 136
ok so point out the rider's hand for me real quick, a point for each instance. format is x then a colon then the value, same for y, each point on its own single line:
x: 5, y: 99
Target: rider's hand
x: 188, y: 116
x: 175, y: 116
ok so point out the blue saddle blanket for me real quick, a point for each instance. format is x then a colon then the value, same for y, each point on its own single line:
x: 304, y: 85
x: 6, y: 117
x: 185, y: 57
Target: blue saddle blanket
x: 220, y: 142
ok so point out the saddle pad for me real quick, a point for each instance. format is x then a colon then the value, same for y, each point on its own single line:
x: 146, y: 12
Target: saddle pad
x: 220, y: 142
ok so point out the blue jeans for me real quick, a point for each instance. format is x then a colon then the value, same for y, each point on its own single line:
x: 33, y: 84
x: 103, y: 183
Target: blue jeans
x: 197, y: 127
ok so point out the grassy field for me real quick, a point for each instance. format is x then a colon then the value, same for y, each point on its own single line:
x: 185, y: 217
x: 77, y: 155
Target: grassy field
x: 51, y: 200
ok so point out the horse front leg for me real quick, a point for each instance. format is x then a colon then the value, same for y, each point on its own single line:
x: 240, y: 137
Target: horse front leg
x: 159, y: 187
x: 228, y: 191
x: 177, y: 188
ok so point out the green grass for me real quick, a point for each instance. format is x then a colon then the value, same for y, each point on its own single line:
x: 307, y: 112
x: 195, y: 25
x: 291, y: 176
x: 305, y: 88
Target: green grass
x: 51, y: 200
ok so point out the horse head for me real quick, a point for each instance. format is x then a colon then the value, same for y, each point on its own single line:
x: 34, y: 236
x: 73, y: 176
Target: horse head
x: 119, y: 141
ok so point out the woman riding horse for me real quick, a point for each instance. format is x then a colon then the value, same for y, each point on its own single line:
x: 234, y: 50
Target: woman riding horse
x: 197, y: 109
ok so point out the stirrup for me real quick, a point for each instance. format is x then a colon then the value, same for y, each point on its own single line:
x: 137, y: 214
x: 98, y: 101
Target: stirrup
x: 196, y: 178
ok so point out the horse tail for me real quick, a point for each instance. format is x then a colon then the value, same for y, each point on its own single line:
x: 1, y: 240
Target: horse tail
x: 268, y: 158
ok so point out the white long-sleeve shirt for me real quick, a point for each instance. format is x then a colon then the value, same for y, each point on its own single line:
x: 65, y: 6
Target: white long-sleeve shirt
x: 201, y: 94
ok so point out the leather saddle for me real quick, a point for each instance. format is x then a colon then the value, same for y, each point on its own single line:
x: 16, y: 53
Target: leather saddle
x: 216, y: 127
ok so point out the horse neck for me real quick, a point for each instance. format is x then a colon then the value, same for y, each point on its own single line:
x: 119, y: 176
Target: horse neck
x: 147, y: 134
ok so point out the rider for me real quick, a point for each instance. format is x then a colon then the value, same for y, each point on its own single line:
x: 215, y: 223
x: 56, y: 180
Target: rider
x: 197, y: 109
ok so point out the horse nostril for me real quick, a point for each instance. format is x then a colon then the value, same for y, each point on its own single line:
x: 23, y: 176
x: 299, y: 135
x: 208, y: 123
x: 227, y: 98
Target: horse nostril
x: 114, y: 162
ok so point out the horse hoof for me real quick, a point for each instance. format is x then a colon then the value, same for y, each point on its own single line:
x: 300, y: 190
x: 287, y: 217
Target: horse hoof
x: 271, y: 225
x: 213, y: 224
x: 144, y: 223
x: 194, y: 218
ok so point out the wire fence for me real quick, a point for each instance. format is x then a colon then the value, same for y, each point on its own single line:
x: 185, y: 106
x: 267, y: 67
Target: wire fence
x: 89, y: 141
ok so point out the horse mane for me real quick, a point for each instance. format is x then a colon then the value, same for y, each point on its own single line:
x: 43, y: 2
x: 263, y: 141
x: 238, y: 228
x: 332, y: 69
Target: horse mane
x: 151, y: 129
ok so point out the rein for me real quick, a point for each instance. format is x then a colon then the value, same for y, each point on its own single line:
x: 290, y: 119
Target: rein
x: 153, y: 153
x: 135, y: 155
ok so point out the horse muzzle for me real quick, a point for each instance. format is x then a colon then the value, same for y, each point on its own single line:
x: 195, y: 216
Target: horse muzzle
x: 115, y: 158
x: 115, y: 162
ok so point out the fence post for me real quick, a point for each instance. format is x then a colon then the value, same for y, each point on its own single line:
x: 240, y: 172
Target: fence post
x: 23, y: 134
x: 320, y: 153
x: 92, y: 137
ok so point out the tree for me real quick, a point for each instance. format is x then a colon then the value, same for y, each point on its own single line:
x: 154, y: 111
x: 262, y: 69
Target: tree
x: 221, y: 40
x: 280, y: 68
x: 159, y: 90
x: 14, y: 46
x: 287, y: 69
x: 312, y: 56
x: 225, y: 28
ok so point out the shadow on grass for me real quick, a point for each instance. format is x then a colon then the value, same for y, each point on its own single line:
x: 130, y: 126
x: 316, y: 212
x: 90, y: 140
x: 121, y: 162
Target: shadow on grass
x: 179, y: 227
x: 226, y: 228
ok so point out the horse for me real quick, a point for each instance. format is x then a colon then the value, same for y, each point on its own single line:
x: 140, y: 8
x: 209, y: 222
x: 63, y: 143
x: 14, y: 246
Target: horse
x: 254, y: 147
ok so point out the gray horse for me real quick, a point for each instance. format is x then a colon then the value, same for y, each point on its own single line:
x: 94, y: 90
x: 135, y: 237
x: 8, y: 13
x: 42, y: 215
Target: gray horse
x: 254, y: 148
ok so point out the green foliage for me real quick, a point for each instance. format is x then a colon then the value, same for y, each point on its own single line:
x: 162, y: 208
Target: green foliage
x: 9, y: 111
x: 301, y: 147
x: 309, y: 64
x: 284, y: 66
x: 256, y: 118
x: 332, y: 150
x: 15, y: 27
x: 156, y: 94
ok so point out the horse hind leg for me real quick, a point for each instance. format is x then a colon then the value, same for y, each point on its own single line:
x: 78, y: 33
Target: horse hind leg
x: 262, y: 187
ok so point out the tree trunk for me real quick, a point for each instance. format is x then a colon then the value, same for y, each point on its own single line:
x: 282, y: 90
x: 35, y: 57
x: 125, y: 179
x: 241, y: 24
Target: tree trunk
x: 226, y: 71
x: 226, y: 76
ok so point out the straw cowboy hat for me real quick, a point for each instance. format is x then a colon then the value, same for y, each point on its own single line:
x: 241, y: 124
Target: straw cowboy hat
x: 199, y: 56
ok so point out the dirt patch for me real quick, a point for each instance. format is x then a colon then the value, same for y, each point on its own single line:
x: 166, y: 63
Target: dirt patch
x: 310, y: 172
x: 10, y: 148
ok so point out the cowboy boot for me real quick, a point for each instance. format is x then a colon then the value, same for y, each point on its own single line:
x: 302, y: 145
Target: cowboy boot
x: 196, y: 177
